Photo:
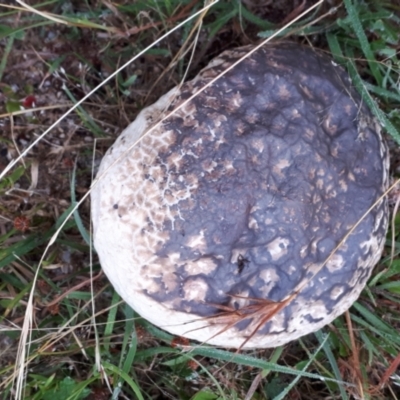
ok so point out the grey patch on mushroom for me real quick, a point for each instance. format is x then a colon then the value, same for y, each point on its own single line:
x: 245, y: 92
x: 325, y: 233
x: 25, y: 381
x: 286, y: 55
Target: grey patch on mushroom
x: 275, y: 162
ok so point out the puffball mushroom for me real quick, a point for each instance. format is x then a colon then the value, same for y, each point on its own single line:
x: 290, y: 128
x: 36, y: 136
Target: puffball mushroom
x: 230, y: 221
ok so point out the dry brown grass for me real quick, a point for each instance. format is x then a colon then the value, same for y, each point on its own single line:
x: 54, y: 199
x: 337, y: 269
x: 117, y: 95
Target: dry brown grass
x: 58, y: 61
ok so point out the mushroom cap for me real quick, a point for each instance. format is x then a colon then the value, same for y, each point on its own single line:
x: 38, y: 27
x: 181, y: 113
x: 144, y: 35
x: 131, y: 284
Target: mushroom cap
x: 245, y: 197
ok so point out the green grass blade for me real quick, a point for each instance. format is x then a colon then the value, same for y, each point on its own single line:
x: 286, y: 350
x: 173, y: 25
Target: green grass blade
x: 332, y: 360
x: 287, y: 389
x: 86, y: 118
x: 77, y: 217
x: 13, y: 303
x: 273, y: 359
x: 18, y: 32
x: 6, y: 53
x: 362, y: 37
x: 261, y: 23
x: 23, y: 247
x: 374, y: 320
x: 360, y: 86
x: 250, y: 361
x: 129, y: 344
x: 112, y: 314
x: 118, y: 372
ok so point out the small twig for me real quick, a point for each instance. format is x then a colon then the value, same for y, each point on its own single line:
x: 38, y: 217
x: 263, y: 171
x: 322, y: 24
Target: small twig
x: 299, y: 9
x: 389, y: 372
x: 253, y: 386
x: 135, y: 30
x: 76, y: 287
x: 185, y: 48
x: 356, y: 360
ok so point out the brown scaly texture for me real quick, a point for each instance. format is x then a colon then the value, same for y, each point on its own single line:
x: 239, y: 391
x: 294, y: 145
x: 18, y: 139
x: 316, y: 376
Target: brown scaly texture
x: 242, y: 194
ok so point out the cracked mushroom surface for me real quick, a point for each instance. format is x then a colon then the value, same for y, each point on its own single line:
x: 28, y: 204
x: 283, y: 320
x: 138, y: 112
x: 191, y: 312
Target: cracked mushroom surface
x: 240, y: 200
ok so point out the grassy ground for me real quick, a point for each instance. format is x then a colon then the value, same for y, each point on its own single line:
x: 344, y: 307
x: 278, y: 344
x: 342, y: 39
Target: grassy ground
x: 87, y: 344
